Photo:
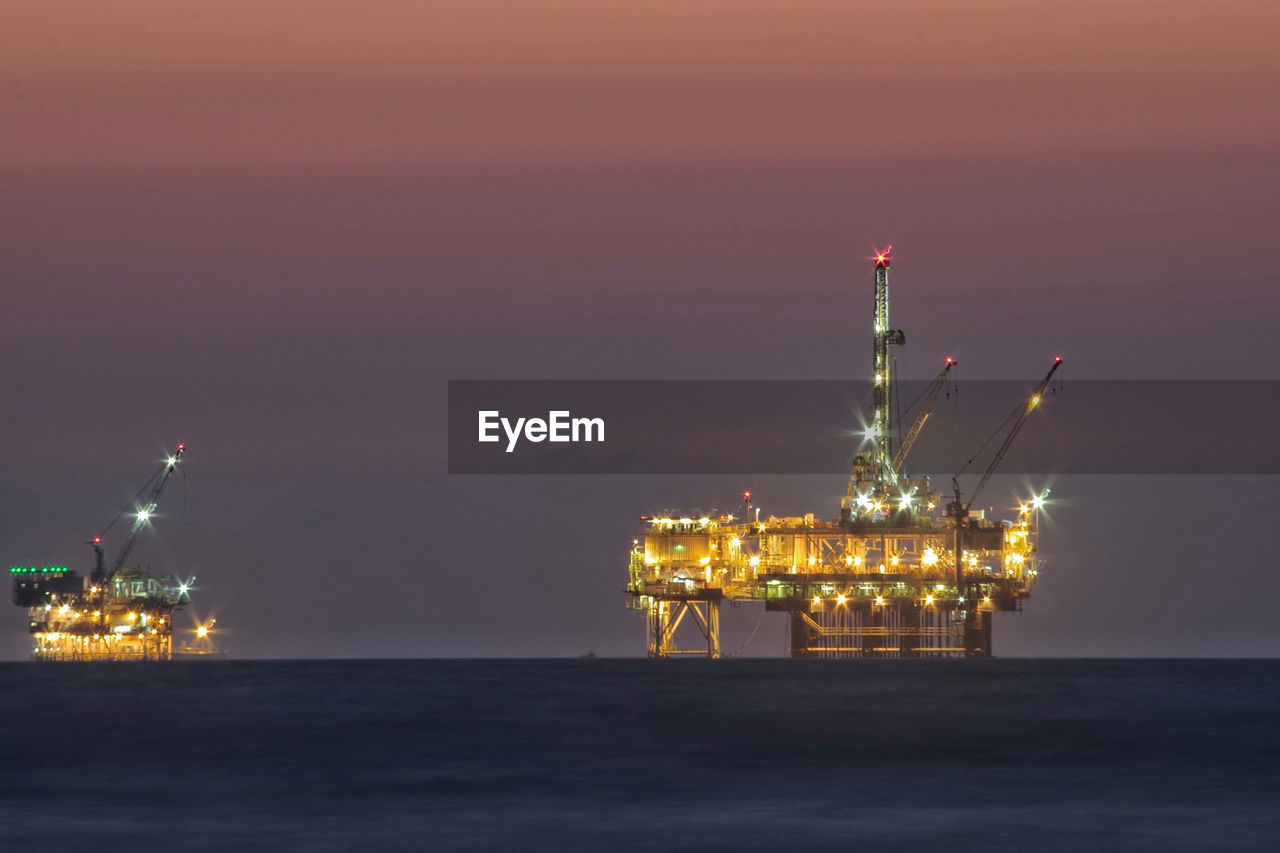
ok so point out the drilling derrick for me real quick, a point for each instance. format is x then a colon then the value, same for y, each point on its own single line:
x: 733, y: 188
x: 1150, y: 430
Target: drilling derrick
x: 882, y: 382
x: 118, y: 613
x: 896, y: 575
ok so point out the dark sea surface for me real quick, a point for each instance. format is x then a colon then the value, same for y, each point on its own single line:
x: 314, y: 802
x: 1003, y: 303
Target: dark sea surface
x: 637, y: 754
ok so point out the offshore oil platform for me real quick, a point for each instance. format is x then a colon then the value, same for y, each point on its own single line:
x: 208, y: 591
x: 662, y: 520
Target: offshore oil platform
x: 897, y: 574
x: 117, y: 613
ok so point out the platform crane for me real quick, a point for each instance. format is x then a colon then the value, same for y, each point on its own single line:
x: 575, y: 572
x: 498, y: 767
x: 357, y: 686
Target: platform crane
x: 153, y: 488
x: 961, y: 509
x: 925, y: 411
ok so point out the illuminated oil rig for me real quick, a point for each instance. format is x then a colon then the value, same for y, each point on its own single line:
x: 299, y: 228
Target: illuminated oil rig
x: 116, y: 613
x: 898, y: 574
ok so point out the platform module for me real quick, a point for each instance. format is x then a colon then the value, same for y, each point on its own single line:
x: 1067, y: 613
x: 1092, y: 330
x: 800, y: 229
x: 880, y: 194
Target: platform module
x: 903, y: 571
x: 116, y: 612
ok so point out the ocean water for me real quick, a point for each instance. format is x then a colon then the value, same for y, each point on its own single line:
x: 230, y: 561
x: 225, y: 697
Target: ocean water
x: 636, y: 754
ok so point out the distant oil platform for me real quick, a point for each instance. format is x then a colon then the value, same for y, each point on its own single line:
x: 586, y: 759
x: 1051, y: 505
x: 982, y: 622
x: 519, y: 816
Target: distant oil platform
x: 116, y: 613
x: 897, y: 574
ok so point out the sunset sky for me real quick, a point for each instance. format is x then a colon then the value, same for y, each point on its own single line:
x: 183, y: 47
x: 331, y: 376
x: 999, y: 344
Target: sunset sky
x: 274, y: 230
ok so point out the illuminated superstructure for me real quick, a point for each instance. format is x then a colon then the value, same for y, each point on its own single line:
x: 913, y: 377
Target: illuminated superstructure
x: 898, y: 574
x: 116, y: 613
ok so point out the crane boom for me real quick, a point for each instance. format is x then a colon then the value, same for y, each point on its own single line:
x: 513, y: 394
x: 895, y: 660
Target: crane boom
x: 961, y: 509
x: 925, y: 411
x: 141, y: 517
x: 1032, y: 402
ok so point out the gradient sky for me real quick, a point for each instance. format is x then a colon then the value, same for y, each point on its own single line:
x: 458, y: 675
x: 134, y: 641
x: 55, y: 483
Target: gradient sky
x: 273, y: 230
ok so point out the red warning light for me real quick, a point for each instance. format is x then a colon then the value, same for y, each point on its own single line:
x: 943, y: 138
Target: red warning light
x: 950, y: 360
x: 1057, y: 358
x: 97, y: 540
x: 182, y: 446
